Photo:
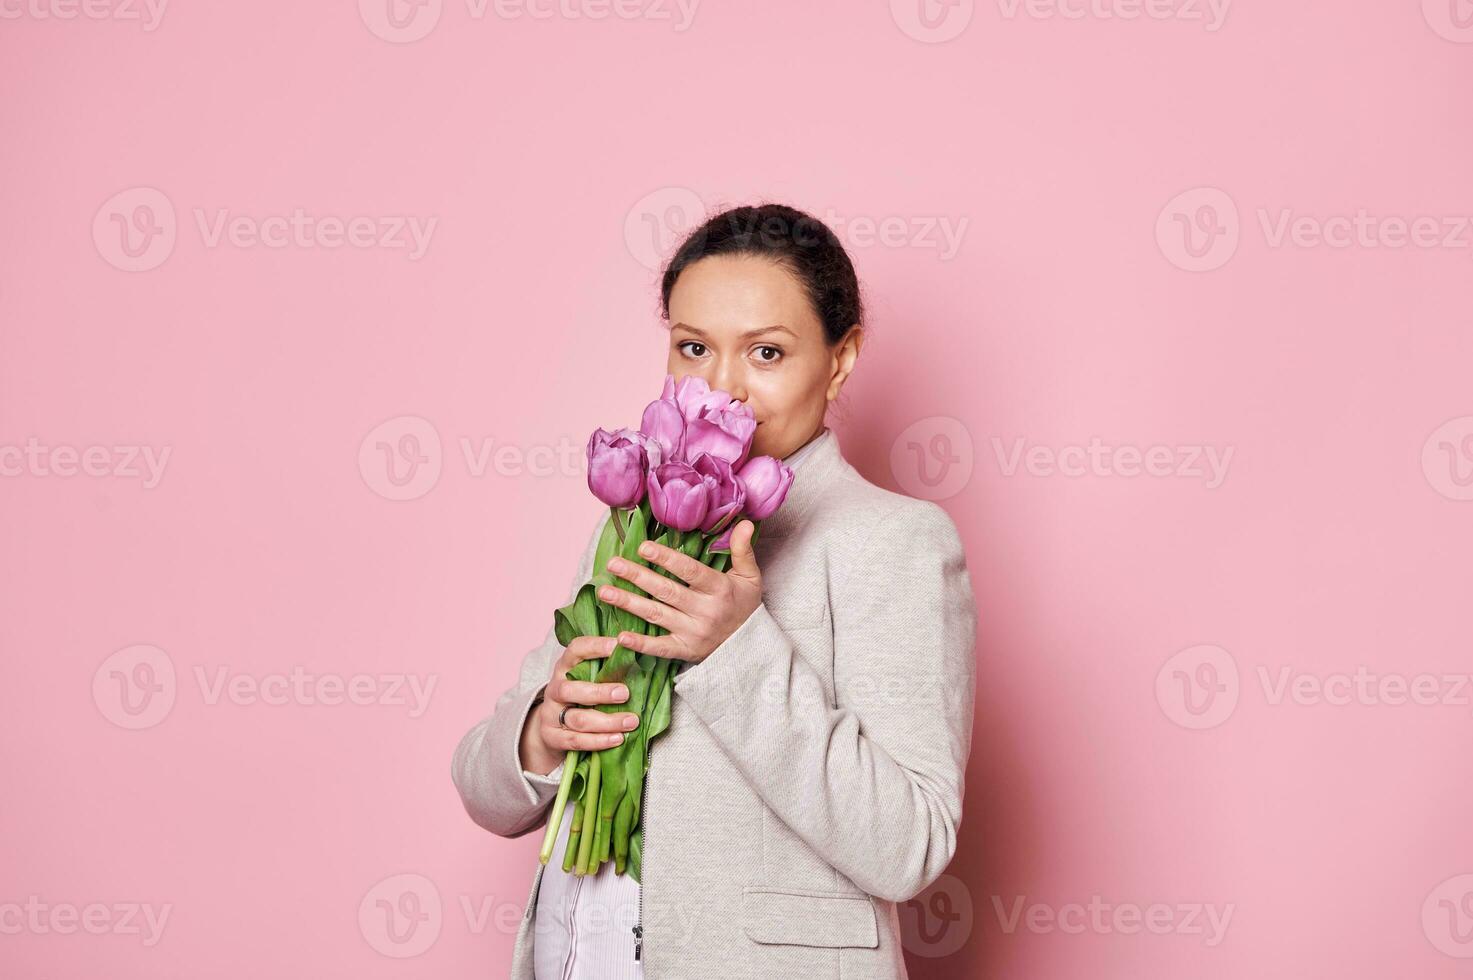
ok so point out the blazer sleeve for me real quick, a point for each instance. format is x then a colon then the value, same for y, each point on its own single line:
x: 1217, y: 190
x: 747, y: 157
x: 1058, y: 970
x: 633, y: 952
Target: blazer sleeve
x: 498, y: 793
x: 874, y: 782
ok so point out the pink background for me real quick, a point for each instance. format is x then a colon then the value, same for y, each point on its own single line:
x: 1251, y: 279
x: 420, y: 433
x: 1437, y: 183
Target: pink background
x: 558, y: 159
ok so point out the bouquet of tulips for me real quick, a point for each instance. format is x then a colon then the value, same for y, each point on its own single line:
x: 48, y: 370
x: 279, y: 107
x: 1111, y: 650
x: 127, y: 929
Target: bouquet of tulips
x: 684, y: 480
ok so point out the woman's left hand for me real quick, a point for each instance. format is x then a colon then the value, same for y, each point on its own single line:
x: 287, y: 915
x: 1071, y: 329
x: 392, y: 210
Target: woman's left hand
x: 698, y: 615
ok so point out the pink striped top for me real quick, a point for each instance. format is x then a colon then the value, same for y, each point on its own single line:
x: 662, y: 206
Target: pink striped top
x: 584, y: 927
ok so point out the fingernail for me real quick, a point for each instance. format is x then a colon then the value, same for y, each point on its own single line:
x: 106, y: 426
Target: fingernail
x: 616, y: 564
x: 647, y: 549
x: 630, y: 722
x: 615, y: 739
x: 621, y: 693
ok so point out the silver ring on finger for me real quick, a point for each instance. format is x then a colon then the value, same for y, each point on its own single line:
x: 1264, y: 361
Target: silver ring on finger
x: 562, y: 717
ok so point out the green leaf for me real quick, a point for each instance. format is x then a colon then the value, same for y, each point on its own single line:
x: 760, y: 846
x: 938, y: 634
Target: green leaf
x: 577, y: 618
x: 608, y: 543
x: 636, y: 853
x: 659, y: 715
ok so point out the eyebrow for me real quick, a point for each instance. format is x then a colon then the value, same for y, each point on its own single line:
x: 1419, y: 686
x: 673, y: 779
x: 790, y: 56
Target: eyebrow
x: 750, y: 333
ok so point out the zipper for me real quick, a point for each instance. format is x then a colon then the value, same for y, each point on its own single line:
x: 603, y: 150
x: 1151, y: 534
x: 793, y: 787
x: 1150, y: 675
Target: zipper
x: 573, y: 930
x: 644, y: 853
x: 536, y: 890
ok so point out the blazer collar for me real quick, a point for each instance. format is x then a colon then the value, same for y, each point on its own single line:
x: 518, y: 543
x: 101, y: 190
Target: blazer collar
x: 814, y: 465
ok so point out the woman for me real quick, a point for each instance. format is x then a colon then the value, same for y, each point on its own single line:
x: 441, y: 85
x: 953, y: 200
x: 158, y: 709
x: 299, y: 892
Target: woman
x: 812, y: 774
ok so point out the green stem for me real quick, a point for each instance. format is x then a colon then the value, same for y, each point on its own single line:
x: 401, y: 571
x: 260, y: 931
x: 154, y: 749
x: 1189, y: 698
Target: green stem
x: 555, y: 822
x: 590, y: 799
x: 570, y: 852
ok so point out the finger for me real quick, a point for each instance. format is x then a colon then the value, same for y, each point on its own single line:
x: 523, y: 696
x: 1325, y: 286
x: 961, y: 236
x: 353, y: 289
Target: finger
x: 743, y: 558
x: 586, y: 692
x: 662, y: 589
x: 585, y: 648
x: 562, y: 740
x: 592, y: 720
x: 655, y: 613
x: 698, y: 575
x: 668, y: 646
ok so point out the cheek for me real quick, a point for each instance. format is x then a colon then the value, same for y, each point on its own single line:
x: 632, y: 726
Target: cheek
x: 776, y: 394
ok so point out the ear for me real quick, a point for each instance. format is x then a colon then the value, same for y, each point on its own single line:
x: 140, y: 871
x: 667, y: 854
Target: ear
x: 846, y: 354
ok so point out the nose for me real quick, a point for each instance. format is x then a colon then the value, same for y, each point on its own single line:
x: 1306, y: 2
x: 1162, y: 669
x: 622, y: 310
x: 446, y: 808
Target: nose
x: 729, y: 380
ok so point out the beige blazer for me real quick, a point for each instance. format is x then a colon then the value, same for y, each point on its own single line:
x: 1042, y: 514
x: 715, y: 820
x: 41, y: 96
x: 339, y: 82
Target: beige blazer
x: 812, y: 774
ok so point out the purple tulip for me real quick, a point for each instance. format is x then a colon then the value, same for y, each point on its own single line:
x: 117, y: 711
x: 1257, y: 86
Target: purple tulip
x: 679, y: 495
x: 726, y: 493
x: 721, y: 433
x: 766, y: 481
x: 663, y: 423
x: 617, y: 463
x: 695, y: 397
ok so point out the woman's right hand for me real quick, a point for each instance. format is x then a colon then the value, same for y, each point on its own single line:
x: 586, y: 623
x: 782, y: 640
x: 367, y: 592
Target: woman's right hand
x: 544, y: 742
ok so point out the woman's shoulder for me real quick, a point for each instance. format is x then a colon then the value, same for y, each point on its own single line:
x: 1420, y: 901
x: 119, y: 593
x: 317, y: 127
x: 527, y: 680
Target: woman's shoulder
x: 857, y: 510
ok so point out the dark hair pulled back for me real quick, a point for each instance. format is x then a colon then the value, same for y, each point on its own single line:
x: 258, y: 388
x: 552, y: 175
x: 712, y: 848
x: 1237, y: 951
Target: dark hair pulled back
x: 799, y: 242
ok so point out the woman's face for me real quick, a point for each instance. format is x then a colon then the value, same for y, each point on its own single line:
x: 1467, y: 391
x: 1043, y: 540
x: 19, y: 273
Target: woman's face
x: 745, y: 325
